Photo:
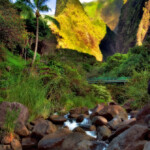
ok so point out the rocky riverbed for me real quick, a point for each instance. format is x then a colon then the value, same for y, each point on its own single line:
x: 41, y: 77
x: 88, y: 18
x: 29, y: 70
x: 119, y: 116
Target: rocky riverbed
x: 105, y: 127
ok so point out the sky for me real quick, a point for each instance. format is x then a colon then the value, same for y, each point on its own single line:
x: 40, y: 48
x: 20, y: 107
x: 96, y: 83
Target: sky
x: 52, y: 5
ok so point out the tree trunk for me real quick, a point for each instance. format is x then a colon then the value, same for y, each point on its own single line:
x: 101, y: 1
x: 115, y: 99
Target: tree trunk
x: 37, y: 38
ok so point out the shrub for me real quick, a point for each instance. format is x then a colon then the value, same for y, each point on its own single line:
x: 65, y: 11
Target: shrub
x: 137, y: 89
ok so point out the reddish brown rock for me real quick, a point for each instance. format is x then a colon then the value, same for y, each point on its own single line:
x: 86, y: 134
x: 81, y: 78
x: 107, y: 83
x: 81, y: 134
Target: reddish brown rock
x: 80, y: 118
x: 99, y: 121
x: 79, y: 111
x: 22, y: 111
x: 5, y: 147
x: 57, y: 119
x: 71, y: 142
x: 142, y: 114
x: 7, y: 139
x: 127, y: 139
x: 54, y: 140
x: 114, y: 123
x: 98, y: 108
x: 22, y: 130
x: 29, y: 143
x: 16, y: 145
x: 42, y: 128
x: 112, y: 111
x: 79, y: 129
x: 103, y: 133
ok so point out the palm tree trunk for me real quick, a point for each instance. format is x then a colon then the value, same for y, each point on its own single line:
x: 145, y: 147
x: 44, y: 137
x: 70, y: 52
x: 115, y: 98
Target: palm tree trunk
x: 37, y: 39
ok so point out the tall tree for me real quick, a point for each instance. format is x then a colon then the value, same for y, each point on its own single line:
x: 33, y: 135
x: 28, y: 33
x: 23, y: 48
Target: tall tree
x: 33, y: 6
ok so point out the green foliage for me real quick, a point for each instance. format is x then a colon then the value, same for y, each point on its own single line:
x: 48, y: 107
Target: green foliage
x: 124, y: 64
x: 137, y: 89
x: 44, y: 30
x: 30, y: 91
x: 10, y: 121
x: 12, y: 31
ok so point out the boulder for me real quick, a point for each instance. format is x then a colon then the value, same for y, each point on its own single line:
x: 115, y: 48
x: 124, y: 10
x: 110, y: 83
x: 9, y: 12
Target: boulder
x: 99, y: 121
x: 103, y: 133
x: 147, y: 146
x: 79, y: 111
x: 98, y: 108
x: 117, y: 132
x: 16, y: 145
x: 114, y: 123
x: 43, y: 128
x: 88, y: 127
x: 22, y: 130
x: 5, y: 147
x: 29, y: 143
x: 22, y: 113
x: 79, y: 129
x: 129, y: 138
x: 111, y: 111
x: 142, y: 114
x: 133, y: 113
x: 80, y: 118
x: 53, y: 141
x: 57, y: 119
x: 7, y: 139
x: 75, y: 140
x: 147, y: 120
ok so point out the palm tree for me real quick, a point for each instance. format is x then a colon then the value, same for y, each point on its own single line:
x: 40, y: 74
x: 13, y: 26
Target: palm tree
x: 30, y: 7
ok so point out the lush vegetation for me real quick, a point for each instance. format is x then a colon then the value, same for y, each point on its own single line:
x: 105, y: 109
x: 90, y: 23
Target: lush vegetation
x: 134, y: 64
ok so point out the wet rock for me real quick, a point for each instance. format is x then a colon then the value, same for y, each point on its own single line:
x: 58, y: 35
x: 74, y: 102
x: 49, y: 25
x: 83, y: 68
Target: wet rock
x: 130, y: 122
x: 118, y: 131
x: 147, y: 120
x: 112, y: 111
x: 5, y: 147
x: 99, y: 121
x: 88, y: 127
x: 127, y: 105
x: 22, y: 111
x: 79, y: 129
x: 113, y: 124
x: 16, y: 145
x: 127, y: 139
x: 28, y: 143
x: 142, y: 114
x: 22, y: 130
x: 73, y: 141
x: 103, y: 133
x: 147, y: 146
x: 133, y: 113
x: 98, y: 108
x: 29, y: 126
x: 95, y: 111
x: 79, y: 110
x: 136, y: 146
x: 53, y: 141
x: 80, y: 118
x: 7, y: 139
x: 99, y: 145
x: 57, y: 119
x: 43, y: 128
x: 74, y: 116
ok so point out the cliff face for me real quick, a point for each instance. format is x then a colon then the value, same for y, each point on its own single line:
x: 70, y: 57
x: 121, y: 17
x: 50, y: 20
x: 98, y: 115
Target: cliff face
x: 108, y: 10
x: 134, y: 23
x: 77, y: 31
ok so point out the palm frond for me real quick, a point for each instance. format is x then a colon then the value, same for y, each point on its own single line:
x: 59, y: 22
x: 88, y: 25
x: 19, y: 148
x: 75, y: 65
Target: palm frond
x: 44, y: 8
x: 25, y: 10
x: 52, y: 20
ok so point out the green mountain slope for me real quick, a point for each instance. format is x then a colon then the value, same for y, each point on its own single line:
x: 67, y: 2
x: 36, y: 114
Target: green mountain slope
x: 77, y: 31
x: 108, y: 10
